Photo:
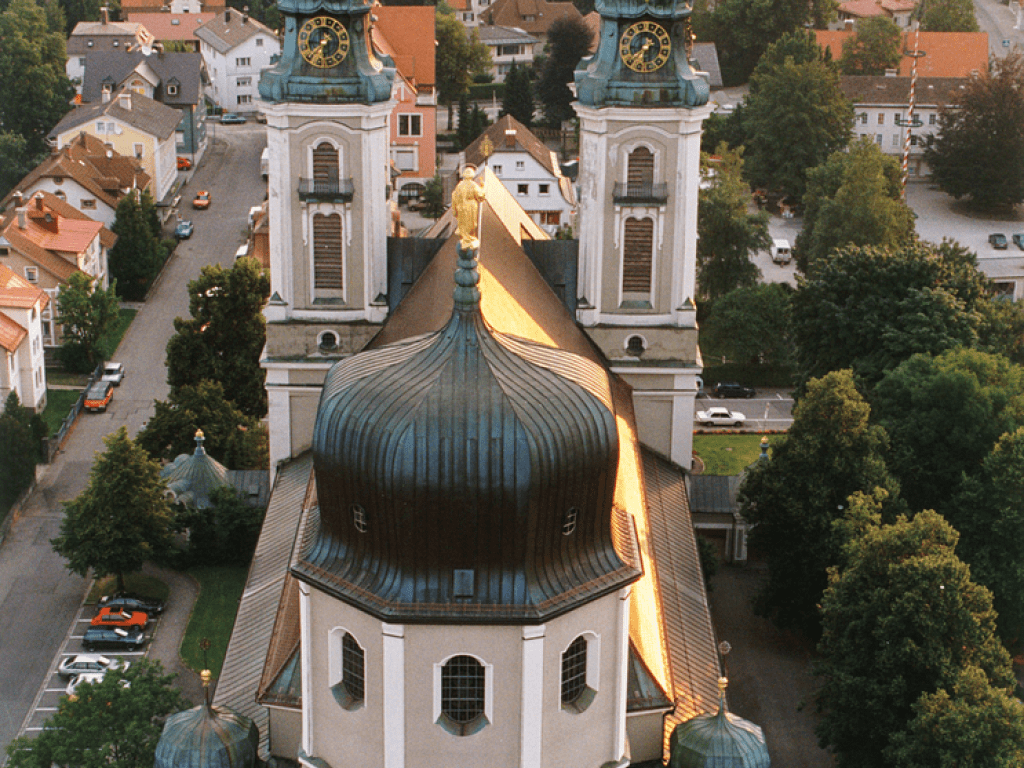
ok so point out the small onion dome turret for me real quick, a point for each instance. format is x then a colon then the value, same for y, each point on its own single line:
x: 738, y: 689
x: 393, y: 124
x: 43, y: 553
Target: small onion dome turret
x: 208, y: 737
x: 192, y: 478
x: 721, y: 740
x: 465, y: 475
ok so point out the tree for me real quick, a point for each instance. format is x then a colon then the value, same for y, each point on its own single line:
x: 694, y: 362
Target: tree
x: 870, y: 309
x: 106, y: 724
x: 223, y: 339
x: 948, y: 16
x: 970, y: 722
x: 15, y: 162
x: 794, y: 117
x: 224, y: 534
x: 460, y: 55
x: 751, y: 324
x: 944, y: 414
x: 472, y: 122
x: 122, y: 518
x: 901, y: 618
x: 978, y: 150
x: 875, y: 46
x: 85, y: 311
x: 21, y: 436
x: 726, y: 233
x: 35, y: 93
x: 518, y: 100
x: 137, y: 255
x: 236, y: 440
x: 569, y: 40
x: 854, y: 198
x: 433, y: 197
x: 830, y: 452
x: 988, y: 511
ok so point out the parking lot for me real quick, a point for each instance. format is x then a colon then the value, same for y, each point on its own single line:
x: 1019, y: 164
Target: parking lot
x: 769, y: 409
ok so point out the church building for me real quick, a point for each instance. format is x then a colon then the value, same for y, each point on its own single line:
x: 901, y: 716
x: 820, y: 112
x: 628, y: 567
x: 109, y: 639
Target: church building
x: 478, y: 548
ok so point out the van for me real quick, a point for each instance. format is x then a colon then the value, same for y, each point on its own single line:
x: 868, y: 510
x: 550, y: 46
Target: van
x: 265, y: 163
x: 242, y: 252
x: 781, y: 252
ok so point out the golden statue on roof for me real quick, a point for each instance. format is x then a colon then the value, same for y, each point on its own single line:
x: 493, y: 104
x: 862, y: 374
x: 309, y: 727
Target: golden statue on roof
x: 466, y: 202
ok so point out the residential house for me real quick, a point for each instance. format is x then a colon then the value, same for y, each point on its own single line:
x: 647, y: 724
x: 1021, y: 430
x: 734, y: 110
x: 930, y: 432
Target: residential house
x: 131, y: 7
x: 534, y: 17
x: 881, y: 106
x: 508, y: 46
x: 22, y: 368
x: 406, y: 34
x: 45, y: 241
x: 469, y: 11
x: 236, y: 48
x: 942, y: 54
x: 899, y: 11
x: 177, y: 80
x: 131, y: 124
x: 528, y: 170
x: 1006, y: 274
x: 176, y: 31
x: 102, y: 36
x: 87, y: 175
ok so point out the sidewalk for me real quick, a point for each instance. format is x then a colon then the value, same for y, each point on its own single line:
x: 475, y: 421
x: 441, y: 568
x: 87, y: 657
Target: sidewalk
x: 166, y: 640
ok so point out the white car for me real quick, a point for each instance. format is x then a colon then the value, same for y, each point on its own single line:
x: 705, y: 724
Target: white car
x: 113, y: 372
x: 720, y: 417
x: 89, y: 662
x: 85, y: 677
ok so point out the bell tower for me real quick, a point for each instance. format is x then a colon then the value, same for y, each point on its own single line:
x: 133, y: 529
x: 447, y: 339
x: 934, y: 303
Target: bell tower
x: 327, y: 103
x: 641, y: 105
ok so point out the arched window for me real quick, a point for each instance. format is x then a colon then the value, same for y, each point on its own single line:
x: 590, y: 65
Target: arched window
x: 579, y: 673
x: 637, y: 257
x: 325, y: 168
x: 348, y: 669
x: 640, y: 172
x: 327, y: 265
x: 463, y: 695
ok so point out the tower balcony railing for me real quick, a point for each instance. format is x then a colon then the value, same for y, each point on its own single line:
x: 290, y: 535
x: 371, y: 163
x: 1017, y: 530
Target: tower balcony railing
x: 640, y: 194
x: 326, y: 190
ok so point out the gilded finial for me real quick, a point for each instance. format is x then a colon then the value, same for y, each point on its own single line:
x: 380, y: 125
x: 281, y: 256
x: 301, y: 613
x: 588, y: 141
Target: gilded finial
x: 487, y: 147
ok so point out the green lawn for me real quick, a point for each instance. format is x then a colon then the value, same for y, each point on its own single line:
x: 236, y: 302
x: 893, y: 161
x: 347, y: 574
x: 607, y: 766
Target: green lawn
x: 727, y: 454
x: 107, y: 345
x: 65, y: 379
x: 58, y: 403
x: 220, y: 589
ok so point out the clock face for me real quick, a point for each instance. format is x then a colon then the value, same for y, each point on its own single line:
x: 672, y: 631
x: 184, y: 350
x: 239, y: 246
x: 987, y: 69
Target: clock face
x: 323, y: 42
x: 645, y: 46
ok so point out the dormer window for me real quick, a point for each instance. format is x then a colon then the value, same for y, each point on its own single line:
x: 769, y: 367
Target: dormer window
x: 172, y: 90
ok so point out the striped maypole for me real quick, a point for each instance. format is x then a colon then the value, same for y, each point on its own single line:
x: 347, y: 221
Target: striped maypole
x: 910, y: 111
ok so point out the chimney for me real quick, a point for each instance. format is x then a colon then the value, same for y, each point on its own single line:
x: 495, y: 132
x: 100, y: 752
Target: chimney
x: 510, y: 138
x: 105, y: 15
x: 105, y: 98
x: 22, y: 218
x: 124, y: 100
x: 227, y: 15
x: 17, y: 198
x: 245, y: 14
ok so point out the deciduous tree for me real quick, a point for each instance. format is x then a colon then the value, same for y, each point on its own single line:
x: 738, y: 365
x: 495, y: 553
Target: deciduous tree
x: 223, y: 534
x: 901, y: 619
x: 122, y: 518
x: 854, y: 198
x: 948, y: 16
x: 727, y: 233
x: 460, y: 55
x: 21, y: 435
x: 830, y: 452
x: 433, y: 197
x: 875, y: 46
x: 978, y: 151
x: 224, y: 337
x: 137, y: 255
x: 752, y: 324
x: 106, y: 724
x: 86, y: 311
x: 15, y: 162
x: 569, y: 40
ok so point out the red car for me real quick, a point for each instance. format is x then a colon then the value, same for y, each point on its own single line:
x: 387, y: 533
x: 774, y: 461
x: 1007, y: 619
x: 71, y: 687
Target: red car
x: 184, y: 164
x: 116, y: 617
x: 202, y: 200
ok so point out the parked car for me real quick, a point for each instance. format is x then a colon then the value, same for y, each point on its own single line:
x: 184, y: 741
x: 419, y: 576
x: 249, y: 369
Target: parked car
x: 1018, y: 240
x: 998, y: 240
x: 202, y: 200
x: 720, y: 417
x: 184, y: 229
x: 232, y: 118
x: 120, y: 617
x: 732, y: 389
x: 113, y: 372
x: 89, y: 662
x: 184, y: 164
x: 117, y: 638
x: 98, y: 396
x: 261, y: 117
x: 133, y: 603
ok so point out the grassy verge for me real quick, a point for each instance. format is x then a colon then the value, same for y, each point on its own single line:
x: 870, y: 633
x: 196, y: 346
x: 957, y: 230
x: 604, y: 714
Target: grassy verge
x: 135, y: 583
x: 65, y: 379
x: 58, y: 403
x: 727, y: 454
x: 107, y: 345
x: 220, y: 588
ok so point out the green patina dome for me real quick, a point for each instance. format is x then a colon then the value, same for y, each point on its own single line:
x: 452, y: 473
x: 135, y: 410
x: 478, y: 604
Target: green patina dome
x: 721, y: 740
x: 193, y: 478
x: 208, y: 737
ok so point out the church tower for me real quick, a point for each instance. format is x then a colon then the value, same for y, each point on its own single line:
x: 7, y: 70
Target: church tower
x: 327, y: 104
x: 641, y: 106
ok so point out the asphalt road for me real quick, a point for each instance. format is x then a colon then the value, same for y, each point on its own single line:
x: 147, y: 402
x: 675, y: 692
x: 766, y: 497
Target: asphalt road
x: 39, y: 598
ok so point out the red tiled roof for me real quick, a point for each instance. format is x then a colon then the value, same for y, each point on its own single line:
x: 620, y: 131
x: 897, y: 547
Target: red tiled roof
x: 533, y: 16
x: 409, y: 31
x: 16, y: 291
x: 946, y: 54
x: 11, y: 333
x: 171, y: 26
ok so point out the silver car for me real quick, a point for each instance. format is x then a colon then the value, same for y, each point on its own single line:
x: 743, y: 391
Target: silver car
x: 89, y: 662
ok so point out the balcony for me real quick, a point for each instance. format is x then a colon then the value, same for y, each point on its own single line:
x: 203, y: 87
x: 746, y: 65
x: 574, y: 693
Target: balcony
x: 640, y: 194
x: 326, y: 190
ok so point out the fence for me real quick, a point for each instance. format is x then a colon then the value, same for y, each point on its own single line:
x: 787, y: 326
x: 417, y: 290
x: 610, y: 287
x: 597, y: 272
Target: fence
x: 53, y: 444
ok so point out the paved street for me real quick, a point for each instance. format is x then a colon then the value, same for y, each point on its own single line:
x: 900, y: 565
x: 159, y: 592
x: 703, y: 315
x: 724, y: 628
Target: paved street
x: 39, y: 599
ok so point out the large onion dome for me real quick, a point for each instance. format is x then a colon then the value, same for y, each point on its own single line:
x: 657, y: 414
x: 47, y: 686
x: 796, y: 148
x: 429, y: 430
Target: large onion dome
x: 464, y: 475
x: 721, y: 740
